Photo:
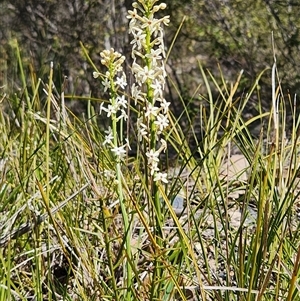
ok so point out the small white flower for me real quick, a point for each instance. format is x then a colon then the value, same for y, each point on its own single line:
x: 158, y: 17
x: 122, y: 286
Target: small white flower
x: 108, y: 137
x: 143, y: 133
x: 156, y: 85
x: 161, y: 176
x: 132, y: 16
x: 151, y: 110
x: 110, y: 110
x: 149, y: 22
x: 142, y: 129
x: 162, y: 73
x: 139, y: 39
x: 136, y: 93
x: 138, y: 72
x: 121, y: 82
x: 154, y: 55
x: 162, y: 47
x: 153, y: 160
x: 152, y: 156
x: 153, y: 168
x: 165, y: 106
x: 106, y: 84
x: 146, y: 74
x: 162, y: 121
x: 121, y: 101
x: 119, y: 151
x: 166, y: 20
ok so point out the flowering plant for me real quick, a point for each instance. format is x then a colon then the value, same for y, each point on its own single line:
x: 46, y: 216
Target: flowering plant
x: 148, y: 54
x: 148, y: 69
x: 114, y: 80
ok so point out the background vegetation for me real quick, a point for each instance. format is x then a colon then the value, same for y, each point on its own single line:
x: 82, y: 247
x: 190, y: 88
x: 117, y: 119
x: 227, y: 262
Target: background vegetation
x: 235, y: 34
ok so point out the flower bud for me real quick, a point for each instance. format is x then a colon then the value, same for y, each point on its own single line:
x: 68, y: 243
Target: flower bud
x: 162, y: 5
x: 155, y: 8
x: 95, y: 74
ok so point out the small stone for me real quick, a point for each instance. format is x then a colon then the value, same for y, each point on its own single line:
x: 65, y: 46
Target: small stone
x: 178, y: 204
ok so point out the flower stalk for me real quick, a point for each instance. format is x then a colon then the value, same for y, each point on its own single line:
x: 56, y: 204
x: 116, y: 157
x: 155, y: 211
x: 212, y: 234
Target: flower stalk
x: 148, y: 68
x: 148, y: 54
x: 114, y: 81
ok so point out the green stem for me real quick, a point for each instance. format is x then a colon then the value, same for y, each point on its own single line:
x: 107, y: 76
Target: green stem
x: 127, y: 230
x: 23, y: 79
x: 154, y: 195
x: 108, y: 250
x: 127, y: 225
x: 48, y: 133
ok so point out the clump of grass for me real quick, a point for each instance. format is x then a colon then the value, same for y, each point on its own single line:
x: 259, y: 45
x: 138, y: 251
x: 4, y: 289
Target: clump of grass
x: 81, y: 220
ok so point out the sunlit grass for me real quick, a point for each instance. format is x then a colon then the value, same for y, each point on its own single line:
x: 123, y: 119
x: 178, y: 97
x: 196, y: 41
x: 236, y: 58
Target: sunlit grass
x: 232, y: 235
